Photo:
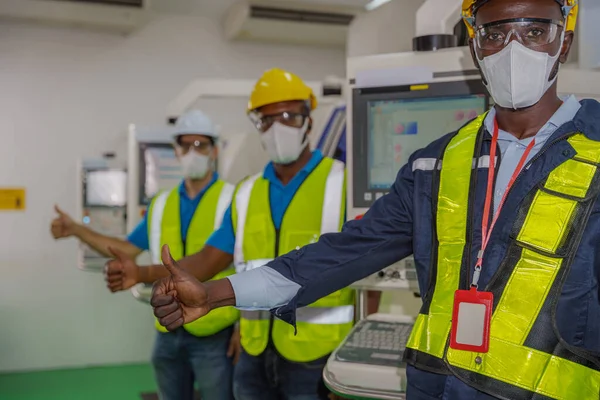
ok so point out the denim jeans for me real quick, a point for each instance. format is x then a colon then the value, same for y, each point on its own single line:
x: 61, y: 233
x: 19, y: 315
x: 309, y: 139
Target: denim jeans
x: 272, y: 377
x: 179, y: 357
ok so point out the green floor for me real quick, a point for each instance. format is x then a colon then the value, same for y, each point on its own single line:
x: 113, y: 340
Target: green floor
x: 106, y: 383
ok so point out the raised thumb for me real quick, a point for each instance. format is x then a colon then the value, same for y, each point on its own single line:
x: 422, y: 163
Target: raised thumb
x: 168, y: 261
x: 58, y: 210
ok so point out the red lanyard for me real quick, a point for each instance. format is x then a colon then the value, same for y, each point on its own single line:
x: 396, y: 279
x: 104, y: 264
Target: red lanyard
x: 485, y: 230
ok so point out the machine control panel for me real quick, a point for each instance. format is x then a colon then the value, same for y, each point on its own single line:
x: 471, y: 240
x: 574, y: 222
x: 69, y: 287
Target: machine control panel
x: 104, y: 210
x: 401, y: 275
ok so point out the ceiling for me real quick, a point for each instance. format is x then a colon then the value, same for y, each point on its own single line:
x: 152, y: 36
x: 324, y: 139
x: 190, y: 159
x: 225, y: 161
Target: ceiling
x: 217, y: 8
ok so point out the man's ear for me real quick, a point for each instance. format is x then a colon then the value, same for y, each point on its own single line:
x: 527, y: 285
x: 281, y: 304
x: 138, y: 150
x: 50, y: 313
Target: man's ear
x: 309, y: 128
x: 566, y: 47
x: 176, y: 150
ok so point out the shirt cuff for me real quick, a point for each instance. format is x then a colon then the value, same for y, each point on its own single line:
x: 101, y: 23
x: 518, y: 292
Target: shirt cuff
x: 262, y: 288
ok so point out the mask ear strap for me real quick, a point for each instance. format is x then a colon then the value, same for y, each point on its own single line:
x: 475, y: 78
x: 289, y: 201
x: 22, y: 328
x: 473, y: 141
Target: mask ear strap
x: 562, y: 40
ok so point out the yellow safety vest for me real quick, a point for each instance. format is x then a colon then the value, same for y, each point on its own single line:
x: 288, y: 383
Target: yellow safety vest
x: 164, y: 227
x: 526, y: 286
x: 317, y: 208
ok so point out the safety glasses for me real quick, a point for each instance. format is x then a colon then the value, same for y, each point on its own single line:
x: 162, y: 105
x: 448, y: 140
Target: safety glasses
x: 198, y: 146
x: 530, y: 32
x: 264, y: 122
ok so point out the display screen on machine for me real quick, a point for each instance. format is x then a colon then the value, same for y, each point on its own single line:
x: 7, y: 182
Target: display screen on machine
x: 397, y: 128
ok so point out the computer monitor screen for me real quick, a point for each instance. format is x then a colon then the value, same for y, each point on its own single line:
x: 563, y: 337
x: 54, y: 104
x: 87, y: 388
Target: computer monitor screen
x: 391, y: 123
x: 397, y: 128
x: 105, y: 188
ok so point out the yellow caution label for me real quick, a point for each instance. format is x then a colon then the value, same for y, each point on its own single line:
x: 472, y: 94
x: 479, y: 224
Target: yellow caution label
x: 419, y: 87
x: 12, y: 199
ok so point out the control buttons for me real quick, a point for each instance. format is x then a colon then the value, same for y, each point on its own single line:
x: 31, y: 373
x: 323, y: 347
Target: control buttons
x: 389, y: 274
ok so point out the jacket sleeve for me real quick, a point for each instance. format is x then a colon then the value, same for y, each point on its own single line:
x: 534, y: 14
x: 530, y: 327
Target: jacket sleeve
x: 383, y: 236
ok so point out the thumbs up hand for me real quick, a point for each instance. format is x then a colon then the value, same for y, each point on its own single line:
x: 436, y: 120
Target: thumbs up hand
x: 122, y: 272
x: 180, y: 298
x: 63, y: 225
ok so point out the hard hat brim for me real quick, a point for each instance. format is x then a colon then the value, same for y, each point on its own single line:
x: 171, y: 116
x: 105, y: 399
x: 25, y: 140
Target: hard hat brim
x: 177, y: 135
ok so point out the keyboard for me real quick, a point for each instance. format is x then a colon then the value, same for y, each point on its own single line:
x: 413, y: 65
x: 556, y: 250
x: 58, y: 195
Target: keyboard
x: 376, y: 343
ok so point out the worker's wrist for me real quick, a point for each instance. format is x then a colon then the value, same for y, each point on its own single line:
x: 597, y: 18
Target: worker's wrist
x: 77, y: 230
x: 144, y: 275
x: 219, y: 293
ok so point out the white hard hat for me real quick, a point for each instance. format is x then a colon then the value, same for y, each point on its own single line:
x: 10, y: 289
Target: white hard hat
x: 195, y: 122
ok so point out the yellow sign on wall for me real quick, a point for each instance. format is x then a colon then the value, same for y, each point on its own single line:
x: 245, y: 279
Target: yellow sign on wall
x: 12, y: 199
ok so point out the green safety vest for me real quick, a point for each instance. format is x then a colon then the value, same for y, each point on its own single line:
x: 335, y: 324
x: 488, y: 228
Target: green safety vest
x: 547, y: 231
x: 317, y: 208
x: 164, y: 227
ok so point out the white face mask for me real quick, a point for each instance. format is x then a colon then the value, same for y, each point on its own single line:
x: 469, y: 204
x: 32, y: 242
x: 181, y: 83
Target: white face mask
x: 517, y: 76
x: 283, y: 143
x: 195, y: 166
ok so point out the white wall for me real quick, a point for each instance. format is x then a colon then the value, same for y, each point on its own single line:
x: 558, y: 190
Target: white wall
x: 69, y: 94
x: 387, y: 29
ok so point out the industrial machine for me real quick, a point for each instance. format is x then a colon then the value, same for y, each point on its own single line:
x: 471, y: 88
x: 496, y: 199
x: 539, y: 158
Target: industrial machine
x: 103, y: 185
x: 332, y: 139
x: 398, y: 103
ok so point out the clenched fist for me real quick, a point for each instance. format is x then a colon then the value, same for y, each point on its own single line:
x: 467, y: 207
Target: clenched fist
x: 180, y: 298
x: 122, y: 272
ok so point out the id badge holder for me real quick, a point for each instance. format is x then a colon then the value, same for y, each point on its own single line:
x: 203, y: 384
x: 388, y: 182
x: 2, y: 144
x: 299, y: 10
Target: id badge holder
x: 471, y: 317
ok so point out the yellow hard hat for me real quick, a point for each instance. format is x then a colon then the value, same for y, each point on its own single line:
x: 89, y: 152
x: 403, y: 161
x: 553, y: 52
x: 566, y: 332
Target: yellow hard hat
x: 277, y: 85
x: 469, y: 8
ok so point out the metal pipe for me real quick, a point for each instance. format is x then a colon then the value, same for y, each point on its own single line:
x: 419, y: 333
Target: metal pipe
x: 362, y: 301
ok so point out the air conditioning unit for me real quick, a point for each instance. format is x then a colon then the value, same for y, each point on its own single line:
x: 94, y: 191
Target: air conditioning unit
x: 121, y: 16
x: 289, y: 22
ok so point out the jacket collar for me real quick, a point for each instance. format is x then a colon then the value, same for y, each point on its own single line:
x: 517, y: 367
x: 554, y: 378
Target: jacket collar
x: 587, y: 120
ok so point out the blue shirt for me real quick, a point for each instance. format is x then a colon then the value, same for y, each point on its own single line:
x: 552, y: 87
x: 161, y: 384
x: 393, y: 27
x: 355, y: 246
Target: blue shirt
x: 280, y: 196
x: 187, y: 207
x: 512, y: 149
x: 265, y: 288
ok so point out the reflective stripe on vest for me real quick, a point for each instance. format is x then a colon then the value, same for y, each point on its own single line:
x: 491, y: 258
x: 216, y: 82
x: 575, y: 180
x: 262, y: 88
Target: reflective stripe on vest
x: 323, y: 323
x: 433, y: 325
x: 525, y: 358
x: 158, y: 208
x: 429, y: 164
x: 164, y: 227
